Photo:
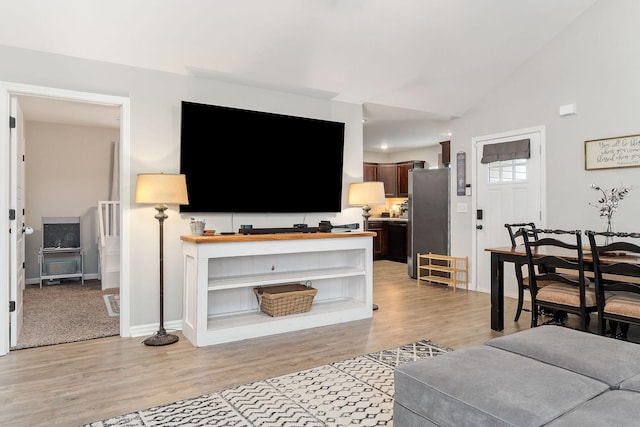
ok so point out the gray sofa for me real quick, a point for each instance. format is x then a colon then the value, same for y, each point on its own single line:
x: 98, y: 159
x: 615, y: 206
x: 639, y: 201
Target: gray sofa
x: 544, y: 376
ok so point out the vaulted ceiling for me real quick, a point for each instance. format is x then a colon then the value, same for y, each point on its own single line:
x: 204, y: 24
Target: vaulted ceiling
x: 410, y: 63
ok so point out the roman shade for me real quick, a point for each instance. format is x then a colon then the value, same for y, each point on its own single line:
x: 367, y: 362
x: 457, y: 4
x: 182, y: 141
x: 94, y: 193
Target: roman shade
x: 506, y: 151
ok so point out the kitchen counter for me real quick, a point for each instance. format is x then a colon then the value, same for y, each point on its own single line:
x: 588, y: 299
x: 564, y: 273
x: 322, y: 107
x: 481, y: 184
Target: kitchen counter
x: 388, y: 219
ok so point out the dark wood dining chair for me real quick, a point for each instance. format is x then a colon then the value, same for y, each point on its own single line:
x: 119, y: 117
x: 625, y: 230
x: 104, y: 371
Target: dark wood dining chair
x: 558, y: 251
x: 616, y: 266
x: 515, y: 234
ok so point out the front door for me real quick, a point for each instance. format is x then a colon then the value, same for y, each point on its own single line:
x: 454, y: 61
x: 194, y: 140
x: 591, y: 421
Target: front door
x: 506, y: 192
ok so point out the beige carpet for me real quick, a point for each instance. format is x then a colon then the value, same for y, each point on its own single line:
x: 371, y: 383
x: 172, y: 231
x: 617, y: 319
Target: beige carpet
x: 64, y: 313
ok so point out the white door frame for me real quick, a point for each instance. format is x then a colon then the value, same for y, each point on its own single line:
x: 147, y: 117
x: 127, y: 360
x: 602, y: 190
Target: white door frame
x: 541, y: 130
x: 6, y: 90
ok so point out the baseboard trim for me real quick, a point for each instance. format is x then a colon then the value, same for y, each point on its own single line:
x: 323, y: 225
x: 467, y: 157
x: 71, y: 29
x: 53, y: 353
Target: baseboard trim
x: 144, y: 330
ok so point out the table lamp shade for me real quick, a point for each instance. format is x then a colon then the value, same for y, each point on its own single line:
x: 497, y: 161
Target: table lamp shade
x: 366, y: 193
x: 162, y: 188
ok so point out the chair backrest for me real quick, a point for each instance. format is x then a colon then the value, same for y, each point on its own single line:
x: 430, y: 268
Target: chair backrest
x: 516, y: 230
x: 619, y: 258
x: 555, y: 250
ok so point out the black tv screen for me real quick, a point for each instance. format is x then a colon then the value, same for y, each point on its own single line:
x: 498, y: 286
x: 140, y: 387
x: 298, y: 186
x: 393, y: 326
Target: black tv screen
x: 243, y: 161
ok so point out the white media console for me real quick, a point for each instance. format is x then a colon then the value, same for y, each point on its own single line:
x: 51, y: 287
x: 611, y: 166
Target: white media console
x: 220, y: 273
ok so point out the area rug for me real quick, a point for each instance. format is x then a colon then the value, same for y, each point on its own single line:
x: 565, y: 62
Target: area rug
x: 64, y: 313
x: 357, y: 391
x: 112, y: 301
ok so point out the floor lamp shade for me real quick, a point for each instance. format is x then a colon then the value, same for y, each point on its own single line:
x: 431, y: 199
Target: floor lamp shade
x: 161, y: 189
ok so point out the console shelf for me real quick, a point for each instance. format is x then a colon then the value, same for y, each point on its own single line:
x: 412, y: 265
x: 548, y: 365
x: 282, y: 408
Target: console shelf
x: 220, y: 273
x: 278, y: 278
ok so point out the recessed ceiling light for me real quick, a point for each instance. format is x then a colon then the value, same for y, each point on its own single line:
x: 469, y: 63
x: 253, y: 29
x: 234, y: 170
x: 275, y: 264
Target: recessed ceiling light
x: 384, y: 146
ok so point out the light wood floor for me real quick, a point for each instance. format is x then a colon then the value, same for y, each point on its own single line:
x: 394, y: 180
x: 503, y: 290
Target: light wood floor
x: 77, y: 383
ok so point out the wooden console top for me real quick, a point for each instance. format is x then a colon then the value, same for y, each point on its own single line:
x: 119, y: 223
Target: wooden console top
x: 277, y: 236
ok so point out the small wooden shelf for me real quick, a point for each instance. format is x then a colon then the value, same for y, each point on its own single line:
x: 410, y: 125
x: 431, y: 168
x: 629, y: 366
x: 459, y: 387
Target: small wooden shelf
x: 454, y: 270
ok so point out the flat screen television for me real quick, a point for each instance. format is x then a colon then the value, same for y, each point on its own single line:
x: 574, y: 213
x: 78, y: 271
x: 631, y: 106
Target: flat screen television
x: 243, y: 161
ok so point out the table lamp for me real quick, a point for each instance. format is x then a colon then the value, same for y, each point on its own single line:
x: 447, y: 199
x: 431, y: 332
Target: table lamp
x: 161, y: 189
x: 365, y: 194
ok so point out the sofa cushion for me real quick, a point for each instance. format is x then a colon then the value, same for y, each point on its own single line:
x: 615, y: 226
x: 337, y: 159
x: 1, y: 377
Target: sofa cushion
x: 486, y: 386
x: 632, y: 384
x: 403, y: 417
x: 618, y: 408
x: 602, y: 358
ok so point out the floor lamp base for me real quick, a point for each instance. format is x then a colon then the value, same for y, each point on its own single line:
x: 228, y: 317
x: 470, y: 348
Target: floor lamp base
x: 161, y: 338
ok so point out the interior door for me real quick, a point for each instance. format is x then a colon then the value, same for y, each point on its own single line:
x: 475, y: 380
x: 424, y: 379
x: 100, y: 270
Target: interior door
x: 506, y: 192
x: 17, y: 235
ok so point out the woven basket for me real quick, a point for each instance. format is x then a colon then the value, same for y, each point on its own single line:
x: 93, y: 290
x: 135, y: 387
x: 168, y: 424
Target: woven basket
x: 285, y: 299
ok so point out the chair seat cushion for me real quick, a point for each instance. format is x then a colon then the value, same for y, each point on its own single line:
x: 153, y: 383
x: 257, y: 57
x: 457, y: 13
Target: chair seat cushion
x: 623, y: 304
x: 561, y: 293
x: 541, y: 283
x: 486, y: 386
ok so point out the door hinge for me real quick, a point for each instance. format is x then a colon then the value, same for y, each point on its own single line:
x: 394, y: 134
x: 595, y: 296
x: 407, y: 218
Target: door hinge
x: 12, y: 122
x: 12, y: 214
x: 12, y: 306
x: 24, y: 265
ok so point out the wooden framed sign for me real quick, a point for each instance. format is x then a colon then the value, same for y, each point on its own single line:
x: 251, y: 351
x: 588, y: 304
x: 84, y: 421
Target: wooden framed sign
x: 609, y: 153
x: 461, y: 173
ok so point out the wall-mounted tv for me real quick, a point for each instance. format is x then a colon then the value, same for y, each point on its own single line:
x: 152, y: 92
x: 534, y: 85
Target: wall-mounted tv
x: 243, y: 161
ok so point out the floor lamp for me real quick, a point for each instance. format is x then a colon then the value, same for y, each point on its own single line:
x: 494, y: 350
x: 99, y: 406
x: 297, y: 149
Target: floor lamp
x: 161, y: 189
x: 365, y: 194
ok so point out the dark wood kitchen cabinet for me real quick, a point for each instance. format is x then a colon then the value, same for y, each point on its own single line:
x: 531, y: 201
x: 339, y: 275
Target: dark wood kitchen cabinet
x: 380, y: 243
x: 395, y: 176
x: 403, y: 176
x: 397, y: 240
x: 390, y: 241
x: 388, y: 174
x: 446, y: 152
x: 370, y: 171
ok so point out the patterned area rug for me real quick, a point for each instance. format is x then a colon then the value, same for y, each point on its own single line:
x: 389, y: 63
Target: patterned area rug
x: 357, y: 391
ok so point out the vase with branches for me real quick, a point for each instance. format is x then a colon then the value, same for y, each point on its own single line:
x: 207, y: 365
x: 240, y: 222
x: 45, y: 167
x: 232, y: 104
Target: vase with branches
x: 608, y: 205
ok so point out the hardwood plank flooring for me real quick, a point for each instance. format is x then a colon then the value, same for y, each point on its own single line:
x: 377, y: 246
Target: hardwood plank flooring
x: 77, y: 383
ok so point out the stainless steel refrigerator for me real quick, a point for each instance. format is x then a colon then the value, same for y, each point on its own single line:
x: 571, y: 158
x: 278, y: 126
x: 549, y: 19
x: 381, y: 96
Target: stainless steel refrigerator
x: 428, y: 214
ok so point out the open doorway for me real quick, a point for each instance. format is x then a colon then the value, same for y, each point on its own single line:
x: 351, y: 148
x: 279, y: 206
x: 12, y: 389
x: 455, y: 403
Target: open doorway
x: 60, y: 101
x: 70, y: 166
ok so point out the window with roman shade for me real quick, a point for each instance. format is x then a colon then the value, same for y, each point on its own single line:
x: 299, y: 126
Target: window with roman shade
x: 507, y: 161
x: 506, y: 151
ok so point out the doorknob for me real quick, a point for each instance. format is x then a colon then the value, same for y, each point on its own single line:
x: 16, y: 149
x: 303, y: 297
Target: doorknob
x: 479, y: 227
x: 27, y: 230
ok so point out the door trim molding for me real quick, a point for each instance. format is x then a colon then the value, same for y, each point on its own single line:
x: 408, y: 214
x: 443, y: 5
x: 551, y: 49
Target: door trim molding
x: 475, y: 142
x: 8, y: 89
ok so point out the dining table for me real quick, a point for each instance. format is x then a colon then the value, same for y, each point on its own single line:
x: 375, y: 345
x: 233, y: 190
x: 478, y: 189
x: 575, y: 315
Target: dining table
x: 518, y: 254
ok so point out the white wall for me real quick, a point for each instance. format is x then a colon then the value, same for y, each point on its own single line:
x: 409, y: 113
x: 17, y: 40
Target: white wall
x: 155, y: 146
x: 67, y: 171
x: 594, y: 64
